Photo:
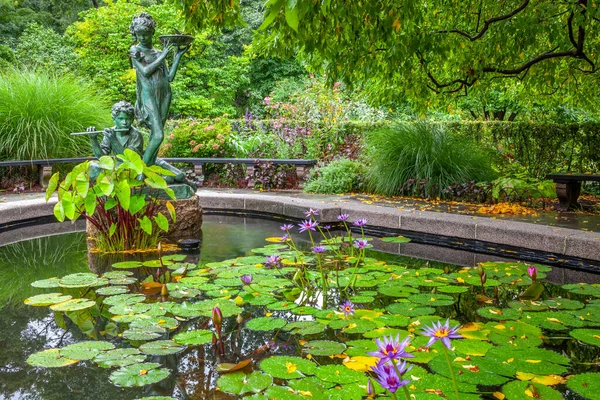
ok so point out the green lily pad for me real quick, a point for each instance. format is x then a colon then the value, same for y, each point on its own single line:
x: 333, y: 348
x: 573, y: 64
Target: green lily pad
x: 589, y: 336
x: 160, y: 321
x: 161, y: 348
x: 49, y: 283
x: 126, y: 309
x: 583, y: 289
x: 279, y: 393
x: 339, y: 374
x: 126, y: 299
x: 239, y: 383
x: 518, y: 334
x: 285, y: 367
x: 155, y: 263
x: 119, y: 358
x: 359, y: 326
x: 194, y: 338
x: 552, y: 320
x: 117, y: 274
x: 523, y: 390
x: 44, y: 300
x: 532, y: 360
x: 323, y: 348
x: 73, y: 305
x: 85, y: 350
x: 409, y: 309
x: 360, y: 347
x: 476, y: 371
x: 586, y: 385
x: 396, y: 291
x: 431, y: 300
x: 138, y: 375
x: 127, y: 280
x: 394, y: 321
x: 282, y: 305
x: 265, y: 324
x: 127, y: 265
x: 144, y: 333
x: 49, y: 359
x: 81, y: 280
x: 111, y: 290
x: 304, y: 328
x: 499, y: 314
x: 452, y: 289
x: 395, y: 239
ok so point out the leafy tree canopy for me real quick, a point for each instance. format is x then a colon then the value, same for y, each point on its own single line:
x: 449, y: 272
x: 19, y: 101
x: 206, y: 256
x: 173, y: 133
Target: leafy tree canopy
x: 431, y: 47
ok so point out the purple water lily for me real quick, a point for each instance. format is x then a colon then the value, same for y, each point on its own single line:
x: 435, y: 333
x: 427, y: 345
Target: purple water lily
x: 390, y: 376
x: 391, y: 349
x: 308, y: 225
x: 311, y: 212
x: 370, y: 389
x: 361, y: 243
x: 286, y: 227
x: 342, y: 217
x: 273, y: 261
x: 246, y: 279
x: 437, y: 331
x: 360, y: 222
x: 347, y: 308
x: 319, y: 249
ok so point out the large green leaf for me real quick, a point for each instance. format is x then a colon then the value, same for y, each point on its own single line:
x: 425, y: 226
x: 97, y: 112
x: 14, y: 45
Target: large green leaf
x: 526, y: 390
x: 162, y: 222
x: 52, y: 185
x: 194, y: 337
x: 324, y: 348
x: 586, y: 385
x: 239, y: 383
x: 340, y: 374
x: 146, y: 224
x: 119, y: 358
x: 265, y: 324
x: 285, y: 367
x: 589, y: 336
x: 123, y: 192
x: 139, y: 375
x: 161, y: 347
x: 47, y: 299
x: 106, y: 162
x: 106, y: 186
x: 82, y: 184
x: 49, y: 359
x: 85, y: 350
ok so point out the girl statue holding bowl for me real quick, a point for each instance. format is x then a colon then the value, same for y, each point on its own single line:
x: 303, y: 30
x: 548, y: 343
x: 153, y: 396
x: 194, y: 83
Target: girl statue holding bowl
x: 153, y: 91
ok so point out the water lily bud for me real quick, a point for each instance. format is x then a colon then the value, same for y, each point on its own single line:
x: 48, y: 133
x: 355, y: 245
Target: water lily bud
x: 370, y: 389
x: 532, y: 272
x: 159, y: 249
x: 217, y: 318
x: 239, y: 319
x: 480, y: 270
x: 483, y: 278
x: 164, y: 290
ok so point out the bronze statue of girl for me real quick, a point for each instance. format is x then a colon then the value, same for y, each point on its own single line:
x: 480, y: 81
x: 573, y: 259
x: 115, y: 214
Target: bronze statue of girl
x: 153, y: 92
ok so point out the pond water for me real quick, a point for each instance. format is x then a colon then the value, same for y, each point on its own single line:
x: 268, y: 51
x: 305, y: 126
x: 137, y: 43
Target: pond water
x: 300, y: 344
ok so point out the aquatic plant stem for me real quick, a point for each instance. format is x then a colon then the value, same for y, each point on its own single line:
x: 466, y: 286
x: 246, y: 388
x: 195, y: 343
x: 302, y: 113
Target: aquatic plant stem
x: 394, y: 396
x: 395, y: 363
x: 406, y: 393
x: 451, y: 372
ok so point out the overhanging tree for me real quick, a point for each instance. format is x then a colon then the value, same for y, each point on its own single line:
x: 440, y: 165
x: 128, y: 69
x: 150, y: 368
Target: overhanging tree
x: 435, y: 46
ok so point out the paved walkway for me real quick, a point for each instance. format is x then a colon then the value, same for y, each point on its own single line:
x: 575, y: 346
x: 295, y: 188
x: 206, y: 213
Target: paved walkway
x: 553, y: 233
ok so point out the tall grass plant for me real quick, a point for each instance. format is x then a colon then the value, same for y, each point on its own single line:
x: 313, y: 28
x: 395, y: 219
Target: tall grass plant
x: 422, y: 159
x: 38, y: 111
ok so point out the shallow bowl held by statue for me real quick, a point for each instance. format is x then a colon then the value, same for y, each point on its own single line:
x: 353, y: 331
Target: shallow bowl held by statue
x: 176, y: 40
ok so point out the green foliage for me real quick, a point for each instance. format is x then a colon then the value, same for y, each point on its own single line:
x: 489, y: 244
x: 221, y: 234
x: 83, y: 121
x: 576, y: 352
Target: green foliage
x: 421, y: 159
x: 199, y: 138
x: 339, y: 176
x: 38, y: 111
x: 115, y: 203
x: 439, y: 45
x: 43, y: 49
x: 7, y: 57
x: 206, y: 83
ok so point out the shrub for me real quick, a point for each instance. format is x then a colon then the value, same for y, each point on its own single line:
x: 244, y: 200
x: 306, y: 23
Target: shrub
x: 422, y: 153
x: 339, y: 176
x: 199, y: 139
x: 38, y: 111
x: 42, y: 48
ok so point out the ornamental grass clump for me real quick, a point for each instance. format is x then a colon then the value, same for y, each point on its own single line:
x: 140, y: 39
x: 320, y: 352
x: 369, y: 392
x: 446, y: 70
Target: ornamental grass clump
x: 38, y: 111
x: 422, y: 159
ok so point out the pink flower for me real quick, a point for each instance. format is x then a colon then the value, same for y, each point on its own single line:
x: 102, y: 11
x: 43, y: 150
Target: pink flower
x: 192, y: 142
x: 215, y: 146
x: 209, y: 128
x: 195, y: 149
x: 267, y: 100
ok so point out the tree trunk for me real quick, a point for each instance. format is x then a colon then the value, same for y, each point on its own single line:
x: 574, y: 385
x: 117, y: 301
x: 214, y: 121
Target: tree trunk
x: 95, y: 3
x: 512, y: 116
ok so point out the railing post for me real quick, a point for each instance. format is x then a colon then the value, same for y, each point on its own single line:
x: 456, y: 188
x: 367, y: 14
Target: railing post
x: 44, y: 175
x: 250, y: 175
x: 301, y: 174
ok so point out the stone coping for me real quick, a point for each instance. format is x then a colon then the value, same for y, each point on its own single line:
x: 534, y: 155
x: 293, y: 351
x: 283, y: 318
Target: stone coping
x: 555, y: 240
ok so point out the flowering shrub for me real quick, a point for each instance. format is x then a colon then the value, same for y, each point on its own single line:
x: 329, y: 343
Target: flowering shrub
x: 199, y: 139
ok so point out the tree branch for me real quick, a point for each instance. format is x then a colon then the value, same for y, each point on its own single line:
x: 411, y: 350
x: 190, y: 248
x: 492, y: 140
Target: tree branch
x: 488, y: 22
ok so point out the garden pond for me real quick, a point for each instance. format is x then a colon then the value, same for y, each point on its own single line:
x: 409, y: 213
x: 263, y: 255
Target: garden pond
x: 253, y: 316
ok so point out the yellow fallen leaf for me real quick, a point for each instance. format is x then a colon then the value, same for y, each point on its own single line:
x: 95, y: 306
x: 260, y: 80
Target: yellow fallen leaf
x: 143, y: 371
x: 268, y: 314
x: 360, y: 363
x: 529, y: 393
x: 500, y: 327
x: 554, y: 320
x: 302, y: 342
x: 548, y: 380
x: 499, y: 396
x: 533, y: 361
x: 291, y: 368
x: 510, y: 360
x: 305, y: 393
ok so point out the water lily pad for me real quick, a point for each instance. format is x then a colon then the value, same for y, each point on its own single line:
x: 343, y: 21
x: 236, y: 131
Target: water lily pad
x: 85, y: 350
x: 155, y: 263
x: 434, y: 387
x: 117, y: 274
x: 476, y: 371
x: 397, y: 290
x: 47, y: 283
x: 359, y: 326
x: 81, y: 280
x: 138, y: 375
x: 161, y: 348
x: 73, y: 305
x: 518, y: 334
x: 428, y: 299
x: 395, y: 239
x: 265, y: 324
x: 583, y: 289
x: 392, y: 320
x: 126, y: 299
x: 589, y: 336
x: 126, y: 280
x: 362, y: 299
x: 526, y: 390
x: 339, y: 374
x: 409, y: 309
x: 304, y: 328
x: 125, y: 309
x: 282, y: 305
x: 119, y: 358
x: 323, y: 348
x: 49, y: 359
x: 586, y: 384
x: 127, y: 265
x: 111, y: 290
x: 240, y: 383
x: 499, y: 314
x: 452, y: 289
x: 552, y: 320
x: 44, y: 300
x: 533, y: 360
x: 194, y: 338
x: 144, y: 333
x: 160, y: 321
x: 284, y: 367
